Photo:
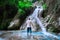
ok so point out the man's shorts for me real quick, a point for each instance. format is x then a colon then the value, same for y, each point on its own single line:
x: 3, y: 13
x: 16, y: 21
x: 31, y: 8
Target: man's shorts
x: 29, y: 30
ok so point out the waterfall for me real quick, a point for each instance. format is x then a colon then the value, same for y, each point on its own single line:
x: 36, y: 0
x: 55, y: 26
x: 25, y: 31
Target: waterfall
x: 34, y: 15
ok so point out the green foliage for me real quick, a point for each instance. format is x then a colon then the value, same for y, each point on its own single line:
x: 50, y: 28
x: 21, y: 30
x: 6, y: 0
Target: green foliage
x: 22, y: 12
x: 24, y: 4
x: 21, y: 4
x: 44, y: 6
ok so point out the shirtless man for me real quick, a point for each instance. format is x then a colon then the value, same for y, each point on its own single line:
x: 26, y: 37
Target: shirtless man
x: 29, y: 26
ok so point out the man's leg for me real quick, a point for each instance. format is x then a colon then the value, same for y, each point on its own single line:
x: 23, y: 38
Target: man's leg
x: 27, y: 31
x: 30, y: 31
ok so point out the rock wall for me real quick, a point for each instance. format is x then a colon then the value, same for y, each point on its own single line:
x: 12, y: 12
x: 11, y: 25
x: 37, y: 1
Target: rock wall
x: 53, y: 8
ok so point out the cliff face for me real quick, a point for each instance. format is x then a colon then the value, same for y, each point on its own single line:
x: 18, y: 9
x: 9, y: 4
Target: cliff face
x: 7, y: 12
x: 53, y: 8
x: 51, y: 5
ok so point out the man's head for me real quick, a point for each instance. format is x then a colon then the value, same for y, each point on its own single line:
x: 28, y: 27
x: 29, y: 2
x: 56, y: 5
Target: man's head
x: 29, y: 18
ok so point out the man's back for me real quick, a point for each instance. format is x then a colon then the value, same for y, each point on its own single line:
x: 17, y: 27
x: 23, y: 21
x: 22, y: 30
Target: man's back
x: 28, y: 23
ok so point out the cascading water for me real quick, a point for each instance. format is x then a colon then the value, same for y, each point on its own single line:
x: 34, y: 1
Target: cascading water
x: 35, y: 16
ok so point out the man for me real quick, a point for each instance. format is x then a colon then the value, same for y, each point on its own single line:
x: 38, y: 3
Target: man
x: 29, y: 26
